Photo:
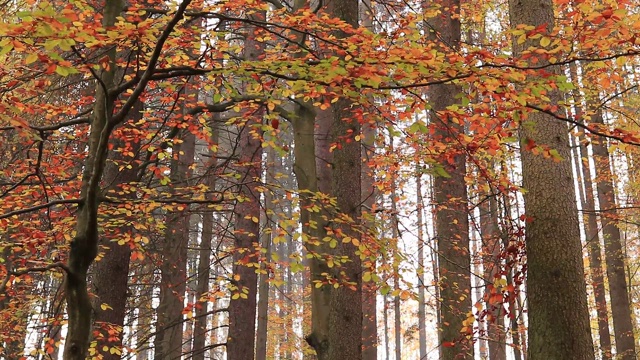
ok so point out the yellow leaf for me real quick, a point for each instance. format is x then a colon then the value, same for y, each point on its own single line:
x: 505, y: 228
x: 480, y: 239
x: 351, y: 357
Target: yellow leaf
x: 31, y: 58
x: 545, y: 41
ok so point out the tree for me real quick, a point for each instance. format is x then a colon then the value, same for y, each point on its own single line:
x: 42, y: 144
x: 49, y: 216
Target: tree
x: 555, y: 274
x: 613, y: 248
x: 586, y: 196
x: 111, y: 279
x: 242, y: 308
x: 450, y: 195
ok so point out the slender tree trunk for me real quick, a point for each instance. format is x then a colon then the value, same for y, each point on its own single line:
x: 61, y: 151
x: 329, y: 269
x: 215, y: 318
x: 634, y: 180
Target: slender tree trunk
x: 422, y: 311
x: 491, y: 250
x: 168, y: 341
x: 263, y: 286
x: 590, y: 219
x: 555, y: 283
x: 450, y: 196
x: 110, y: 282
x: 242, y: 309
x: 395, y: 265
x: 369, y: 195
x: 385, y: 315
x: 613, y: 249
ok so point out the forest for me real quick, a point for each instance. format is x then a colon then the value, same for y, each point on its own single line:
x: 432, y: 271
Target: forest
x: 319, y: 179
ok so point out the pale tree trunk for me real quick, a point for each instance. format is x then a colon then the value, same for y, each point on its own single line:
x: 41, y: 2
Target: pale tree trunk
x: 168, y: 341
x: 395, y: 258
x: 385, y: 316
x: 263, y: 286
x: 145, y: 311
x: 190, y: 296
x: 202, y: 287
x: 512, y: 312
x: 242, y: 310
x: 369, y: 195
x: 491, y: 260
x: 555, y: 283
x: 433, y: 243
x: 450, y: 197
x: 591, y: 224
x: 422, y: 311
x: 593, y: 241
x: 111, y: 280
x: 311, y: 157
x: 613, y: 248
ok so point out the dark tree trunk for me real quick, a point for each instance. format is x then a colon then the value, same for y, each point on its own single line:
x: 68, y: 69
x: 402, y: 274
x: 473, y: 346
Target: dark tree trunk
x: 168, y: 341
x: 555, y: 282
x: 242, y: 308
x: 110, y: 282
x: 450, y: 196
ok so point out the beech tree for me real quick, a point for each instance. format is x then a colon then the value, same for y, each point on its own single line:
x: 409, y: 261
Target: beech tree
x: 148, y: 158
x: 555, y: 281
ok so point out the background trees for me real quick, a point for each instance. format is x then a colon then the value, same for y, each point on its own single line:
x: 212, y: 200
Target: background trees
x: 159, y: 157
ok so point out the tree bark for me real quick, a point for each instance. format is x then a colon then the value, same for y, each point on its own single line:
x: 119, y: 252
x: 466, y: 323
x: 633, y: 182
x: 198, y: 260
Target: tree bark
x: 450, y: 196
x: 242, y: 309
x: 369, y: 196
x: 344, y: 319
x: 263, y: 286
x: 422, y: 310
x: 555, y: 282
x: 586, y: 191
x: 111, y: 280
x: 491, y: 250
x: 168, y: 341
x: 613, y: 249
x: 593, y: 243
x: 84, y: 246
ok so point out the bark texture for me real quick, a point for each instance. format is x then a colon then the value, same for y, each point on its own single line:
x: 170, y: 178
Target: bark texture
x: 613, y: 249
x: 168, y: 341
x: 242, y: 311
x: 110, y: 282
x: 84, y: 246
x: 556, y: 292
x: 450, y: 196
x: 593, y: 245
x: 491, y: 241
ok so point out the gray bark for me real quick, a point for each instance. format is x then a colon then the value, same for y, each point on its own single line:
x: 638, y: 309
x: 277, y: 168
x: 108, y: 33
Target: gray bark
x: 555, y: 282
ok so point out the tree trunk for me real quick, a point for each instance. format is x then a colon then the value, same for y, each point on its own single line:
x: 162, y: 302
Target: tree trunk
x: 369, y: 195
x: 591, y: 225
x: 555, y: 283
x: 263, y: 286
x: 168, y: 341
x: 395, y: 260
x: 450, y: 196
x: 84, y: 246
x: 111, y: 280
x: 242, y: 308
x: 345, y: 307
x: 422, y: 311
x: 613, y: 249
x: 491, y: 260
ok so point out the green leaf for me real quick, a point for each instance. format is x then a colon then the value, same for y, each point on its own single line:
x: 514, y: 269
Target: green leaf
x: 440, y: 171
